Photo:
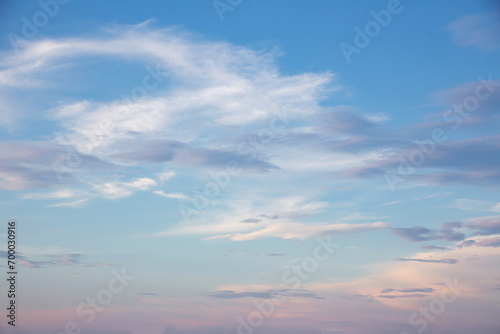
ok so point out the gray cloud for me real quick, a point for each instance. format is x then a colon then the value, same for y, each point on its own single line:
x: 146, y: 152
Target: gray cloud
x: 430, y: 247
x: 418, y: 233
x: 447, y: 261
x: 251, y: 220
x: 412, y: 234
x: 427, y: 290
x: 162, y: 150
x: 415, y: 295
x: 346, y: 120
x: 30, y: 164
x: 408, y: 290
x: 470, y: 161
x: 489, y: 242
x: 260, y: 219
x: 486, y: 242
x: 466, y: 243
x: 451, y: 226
x: 485, y: 227
x: 150, y: 151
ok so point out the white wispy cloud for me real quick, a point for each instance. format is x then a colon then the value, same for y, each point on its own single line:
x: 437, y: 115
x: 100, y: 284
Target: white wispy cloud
x: 170, y: 195
x: 390, y: 203
x: 115, y: 190
x: 196, y: 116
x: 165, y: 176
x: 425, y: 197
x: 258, y: 218
x: 290, y: 230
x: 59, y: 194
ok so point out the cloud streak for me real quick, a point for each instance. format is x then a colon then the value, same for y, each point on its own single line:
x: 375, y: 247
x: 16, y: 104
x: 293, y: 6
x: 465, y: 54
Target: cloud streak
x: 447, y: 261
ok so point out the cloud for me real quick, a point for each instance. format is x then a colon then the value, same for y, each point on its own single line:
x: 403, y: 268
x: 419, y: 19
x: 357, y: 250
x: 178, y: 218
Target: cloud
x: 408, y: 293
x: 346, y: 120
x: 292, y: 221
x: 411, y: 234
x: 425, y: 197
x: 238, y: 89
x: 432, y: 247
x: 475, y: 205
x: 203, y: 114
x: 251, y: 220
x: 418, y: 233
x: 56, y: 260
x: 143, y: 183
x: 489, y: 242
x: 414, y: 295
x: 114, y: 190
x: 171, y: 195
x: 451, y: 226
x: 148, y: 151
x: 292, y: 230
x: 481, y: 242
x: 448, y: 261
x: 165, y: 176
x: 58, y: 194
x: 485, y: 227
x: 110, y: 189
x: 275, y: 254
x: 479, y: 31
x: 72, y: 204
x: 466, y: 243
x: 160, y: 151
x: 37, y: 165
x: 191, y: 119
x: 458, y: 159
x: 446, y: 164
x: 426, y: 290
x: 229, y: 294
x: 196, y: 123
x: 391, y: 203
x: 260, y: 219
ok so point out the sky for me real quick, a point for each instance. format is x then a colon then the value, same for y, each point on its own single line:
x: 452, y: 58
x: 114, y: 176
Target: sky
x: 236, y: 166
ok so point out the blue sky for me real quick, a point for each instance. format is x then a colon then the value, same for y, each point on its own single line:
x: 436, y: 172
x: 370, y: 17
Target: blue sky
x: 210, y: 147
